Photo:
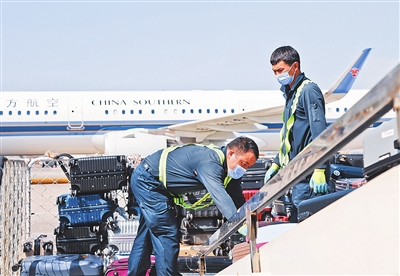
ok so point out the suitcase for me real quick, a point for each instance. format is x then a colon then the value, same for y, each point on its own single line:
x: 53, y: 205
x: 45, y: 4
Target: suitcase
x: 198, y: 225
x: 311, y: 206
x: 60, y: 265
x: 39, y: 246
x: 349, y: 183
x: 254, y: 176
x: 121, y: 240
x: 354, y: 160
x: 98, y: 174
x: 381, y: 166
x: 84, y: 210
x: 213, y: 264
x: 120, y: 268
x: 81, y: 239
x: 344, y: 171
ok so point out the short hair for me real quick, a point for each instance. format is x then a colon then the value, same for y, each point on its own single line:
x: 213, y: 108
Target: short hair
x: 244, y: 144
x: 285, y: 53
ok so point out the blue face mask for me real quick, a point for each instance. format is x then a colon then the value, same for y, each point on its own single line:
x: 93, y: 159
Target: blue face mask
x: 236, y: 172
x: 285, y: 78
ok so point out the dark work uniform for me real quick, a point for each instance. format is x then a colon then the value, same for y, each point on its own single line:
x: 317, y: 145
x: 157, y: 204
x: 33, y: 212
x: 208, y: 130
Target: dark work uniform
x: 309, y: 122
x: 189, y: 169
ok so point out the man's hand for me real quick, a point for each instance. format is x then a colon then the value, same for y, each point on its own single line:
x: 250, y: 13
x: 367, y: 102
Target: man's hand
x: 271, y: 172
x: 318, y: 181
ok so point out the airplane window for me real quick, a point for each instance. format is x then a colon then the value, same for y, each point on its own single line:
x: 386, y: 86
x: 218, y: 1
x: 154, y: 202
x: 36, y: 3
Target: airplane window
x: 28, y: 112
x: 337, y: 109
x: 106, y: 112
x: 123, y: 111
x: 46, y: 112
x: 165, y: 111
x: 232, y: 110
x: 175, y: 111
x: 19, y: 112
x: 216, y: 110
x: 224, y: 110
x: 54, y: 112
x: 152, y: 111
x: 1, y: 112
x: 115, y: 112
x: 208, y: 110
x: 37, y: 112
x: 10, y: 112
x: 191, y: 111
x: 200, y: 111
x: 345, y: 109
x: 183, y: 111
x: 131, y: 111
x: 140, y: 111
x: 329, y: 110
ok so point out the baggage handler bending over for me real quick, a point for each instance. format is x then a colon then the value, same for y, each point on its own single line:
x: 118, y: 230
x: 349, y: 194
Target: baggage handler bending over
x: 159, y: 180
x: 303, y: 120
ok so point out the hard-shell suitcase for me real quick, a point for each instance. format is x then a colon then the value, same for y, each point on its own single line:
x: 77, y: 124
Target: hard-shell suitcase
x: 121, y: 240
x: 40, y: 246
x: 311, y: 206
x: 344, y: 171
x: 354, y: 160
x: 81, y: 239
x: 84, y: 210
x: 254, y: 176
x: 98, y: 174
x: 120, y: 267
x: 61, y: 265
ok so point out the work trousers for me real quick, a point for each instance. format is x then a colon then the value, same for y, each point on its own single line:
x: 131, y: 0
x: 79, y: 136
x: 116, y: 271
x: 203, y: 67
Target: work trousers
x: 158, y: 230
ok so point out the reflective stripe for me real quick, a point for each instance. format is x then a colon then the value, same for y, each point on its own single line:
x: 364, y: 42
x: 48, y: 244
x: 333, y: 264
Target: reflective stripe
x: 178, y: 199
x: 286, y: 128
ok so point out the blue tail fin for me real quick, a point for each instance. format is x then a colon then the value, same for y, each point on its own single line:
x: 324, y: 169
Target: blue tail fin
x: 346, y: 80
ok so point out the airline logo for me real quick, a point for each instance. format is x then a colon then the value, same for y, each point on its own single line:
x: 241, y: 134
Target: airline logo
x: 354, y: 72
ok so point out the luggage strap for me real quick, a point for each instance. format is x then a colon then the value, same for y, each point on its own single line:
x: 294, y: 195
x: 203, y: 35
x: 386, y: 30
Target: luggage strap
x: 178, y: 199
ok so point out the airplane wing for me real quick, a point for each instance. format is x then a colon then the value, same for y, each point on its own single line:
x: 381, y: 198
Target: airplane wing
x: 251, y: 121
x: 247, y: 121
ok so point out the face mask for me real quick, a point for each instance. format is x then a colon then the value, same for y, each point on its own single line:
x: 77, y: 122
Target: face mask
x: 236, y: 172
x: 285, y: 78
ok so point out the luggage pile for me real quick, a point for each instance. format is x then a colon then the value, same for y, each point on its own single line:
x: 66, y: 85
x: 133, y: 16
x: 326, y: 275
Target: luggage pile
x: 90, y: 234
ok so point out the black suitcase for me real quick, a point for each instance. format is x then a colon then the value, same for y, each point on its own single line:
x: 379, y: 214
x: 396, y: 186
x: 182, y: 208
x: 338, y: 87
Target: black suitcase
x: 85, y: 210
x: 198, y: 225
x: 60, y: 265
x: 97, y: 174
x: 311, y: 206
x: 254, y: 176
x: 81, y: 239
x: 381, y: 166
x: 40, y: 246
x: 214, y: 264
x: 354, y: 160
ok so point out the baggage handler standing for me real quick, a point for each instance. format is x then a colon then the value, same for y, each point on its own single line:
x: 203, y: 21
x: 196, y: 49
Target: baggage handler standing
x: 303, y: 120
x: 163, y: 176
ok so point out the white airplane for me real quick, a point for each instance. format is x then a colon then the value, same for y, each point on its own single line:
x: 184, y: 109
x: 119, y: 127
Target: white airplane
x: 127, y: 122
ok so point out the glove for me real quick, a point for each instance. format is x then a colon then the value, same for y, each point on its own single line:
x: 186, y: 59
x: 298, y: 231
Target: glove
x: 243, y: 229
x: 318, y: 181
x: 271, y: 172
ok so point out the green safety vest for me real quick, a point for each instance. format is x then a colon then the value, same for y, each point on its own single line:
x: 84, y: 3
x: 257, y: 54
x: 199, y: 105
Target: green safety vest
x: 178, y: 199
x: 285, y: 131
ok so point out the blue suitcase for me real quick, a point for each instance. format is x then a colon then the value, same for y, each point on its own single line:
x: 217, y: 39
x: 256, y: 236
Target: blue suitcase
x: 61, y: 265
x: 84, y: 210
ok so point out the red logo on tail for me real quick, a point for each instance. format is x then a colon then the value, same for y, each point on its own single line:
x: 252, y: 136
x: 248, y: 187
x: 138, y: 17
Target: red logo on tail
x: 354, y: 72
